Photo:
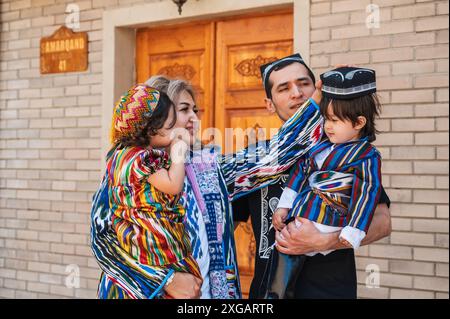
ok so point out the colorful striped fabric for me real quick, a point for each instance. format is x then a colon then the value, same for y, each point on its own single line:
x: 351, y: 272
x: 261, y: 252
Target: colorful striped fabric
x: 214, y: 186
x: 259, y: 165
x: 344, y: 191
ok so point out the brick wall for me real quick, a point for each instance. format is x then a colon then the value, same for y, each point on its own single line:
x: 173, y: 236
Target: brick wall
x: 50, y: 142
x: 410, y: 54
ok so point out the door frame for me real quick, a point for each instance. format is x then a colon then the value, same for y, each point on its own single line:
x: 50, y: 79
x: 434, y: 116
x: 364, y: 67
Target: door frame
x: 119, y: 39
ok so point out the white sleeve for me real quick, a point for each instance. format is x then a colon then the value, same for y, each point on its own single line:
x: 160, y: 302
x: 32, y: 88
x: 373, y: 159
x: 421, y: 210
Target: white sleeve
x: 353, y: 235
x: 287, y: 198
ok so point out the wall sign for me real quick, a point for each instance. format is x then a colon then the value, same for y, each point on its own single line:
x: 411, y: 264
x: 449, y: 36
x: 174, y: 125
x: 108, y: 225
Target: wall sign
x: 64, y: 51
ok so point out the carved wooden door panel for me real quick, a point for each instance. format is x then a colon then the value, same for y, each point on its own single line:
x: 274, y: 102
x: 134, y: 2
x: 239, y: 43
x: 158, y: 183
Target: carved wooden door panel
x: 221, y: 59
x: 185, y: 52
x: 242, y: 46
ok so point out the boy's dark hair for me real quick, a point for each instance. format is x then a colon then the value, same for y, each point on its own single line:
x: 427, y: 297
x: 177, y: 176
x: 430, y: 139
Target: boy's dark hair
x: 281, y: 66
x: 151, y: 124
x: 368, y: 106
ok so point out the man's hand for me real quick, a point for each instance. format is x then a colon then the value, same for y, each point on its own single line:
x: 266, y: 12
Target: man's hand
x: 184, y: 286
x: 301, y: 237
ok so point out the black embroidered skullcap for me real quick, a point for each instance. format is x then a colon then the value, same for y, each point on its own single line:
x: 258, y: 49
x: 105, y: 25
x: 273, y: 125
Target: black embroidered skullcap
x: 348, y: 83
x: 267, y: 69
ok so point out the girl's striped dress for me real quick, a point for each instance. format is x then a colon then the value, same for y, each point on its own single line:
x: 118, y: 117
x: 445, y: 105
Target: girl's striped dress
x: 148, y: 223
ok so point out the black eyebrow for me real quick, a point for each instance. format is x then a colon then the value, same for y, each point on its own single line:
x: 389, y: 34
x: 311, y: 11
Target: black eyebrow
x: 306, y: 78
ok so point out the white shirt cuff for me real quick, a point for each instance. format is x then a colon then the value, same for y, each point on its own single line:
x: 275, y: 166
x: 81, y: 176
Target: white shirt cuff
x: 287, y: 198
x: 353, y: 235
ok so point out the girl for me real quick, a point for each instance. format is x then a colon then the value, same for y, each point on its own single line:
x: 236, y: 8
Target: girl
x: 145, y: 183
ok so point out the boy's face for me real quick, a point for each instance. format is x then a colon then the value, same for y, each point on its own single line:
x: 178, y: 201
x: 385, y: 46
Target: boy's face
x: 342, y: 131
x: 292, y: 86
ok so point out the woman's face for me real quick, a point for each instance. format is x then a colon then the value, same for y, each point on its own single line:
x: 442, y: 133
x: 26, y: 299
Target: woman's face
x: 187, y: 117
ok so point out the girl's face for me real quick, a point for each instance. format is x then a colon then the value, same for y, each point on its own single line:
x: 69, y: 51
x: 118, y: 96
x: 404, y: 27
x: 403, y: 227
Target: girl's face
x: 342, y: 131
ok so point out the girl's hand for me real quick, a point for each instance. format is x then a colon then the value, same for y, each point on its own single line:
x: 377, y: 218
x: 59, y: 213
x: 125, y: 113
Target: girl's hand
x: 317, y: 95
x: 178, y: 150
x: 184, y: 286
x: 279, y: 217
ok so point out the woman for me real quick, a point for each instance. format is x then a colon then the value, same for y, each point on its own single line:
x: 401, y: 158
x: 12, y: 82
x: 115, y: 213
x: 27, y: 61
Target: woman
x: 212, y: 181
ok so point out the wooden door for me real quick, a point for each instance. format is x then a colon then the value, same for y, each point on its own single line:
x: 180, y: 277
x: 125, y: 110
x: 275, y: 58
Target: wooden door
x: 185, y: 52
x: 222, y: 58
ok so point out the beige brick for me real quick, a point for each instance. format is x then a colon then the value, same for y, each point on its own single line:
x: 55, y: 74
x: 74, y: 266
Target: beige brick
x: 7, y: 293
x: 329, y: 21
x: 62, y: 248
x: 442, y: 66
x: 442, y: 8
x: 442, y: 270
x: 394, y: 280
x: 442, y: 153
x: 431, y: 283
x: 394, y: 83
x: 435, y: 23
x: 431, y: 167
x: 392, y: 3
x: 442, y: 240
x: 395, y: 27
x: 354, y: 57
x: 442, y: 95
x: 372, y: 293
x: 442, y: 295
x: 412, y: 239
x: 435, y: 52
x: 411, y: 267
x: 432, y: 110
x: 431, y: 81
x: 424, y: 225
x: 428, y: 196
x: 330, y: 47
x: 50, y: 279
x: 412, y: 210
x: 363, y: 262
x: 442, y: 37
x: 27, y: 275
x: 390, y: 55
x: 397, y: 139
x: 417, y: 10
x: 320, y: 8
x: 390, y: 251
x: 431, y: 139
x: 349, y: 5
x: 38, y: 287
x: 348, y: 32
x: 442, y: 182
x: 415, y: 182
x: 442, y: 124
x: 401, y: 224
x: 413, y: 96
x: 415, y: 125
x: 431, y: 254
x: 320, y: 35
x: 50, y: 237
x: 411, y: 294
x: 421, y: 67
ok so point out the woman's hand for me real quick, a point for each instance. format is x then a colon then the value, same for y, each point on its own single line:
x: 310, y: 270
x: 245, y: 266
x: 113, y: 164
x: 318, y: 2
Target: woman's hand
x: 184, y: 286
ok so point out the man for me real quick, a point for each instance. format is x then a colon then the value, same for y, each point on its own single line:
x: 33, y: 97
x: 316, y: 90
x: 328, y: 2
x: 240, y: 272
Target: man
x: 288, y: 83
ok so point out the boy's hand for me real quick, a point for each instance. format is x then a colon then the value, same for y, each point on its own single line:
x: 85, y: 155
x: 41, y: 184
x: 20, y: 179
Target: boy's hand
x: 345, y: 243
x: 317, y: 95
x: 279, y: 218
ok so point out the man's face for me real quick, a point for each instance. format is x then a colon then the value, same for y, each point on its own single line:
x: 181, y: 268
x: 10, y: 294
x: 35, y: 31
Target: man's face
x: 292, y: 86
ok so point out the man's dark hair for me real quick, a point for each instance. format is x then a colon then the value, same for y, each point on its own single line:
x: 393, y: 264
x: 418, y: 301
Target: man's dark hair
x: 282, y: 65
x: 151, y: 124
x: 368, y: 106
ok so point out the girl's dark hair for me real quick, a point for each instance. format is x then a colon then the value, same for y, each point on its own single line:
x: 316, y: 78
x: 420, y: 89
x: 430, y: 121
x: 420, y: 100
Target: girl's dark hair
x: 368, y: 106
x: 151, y: 124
